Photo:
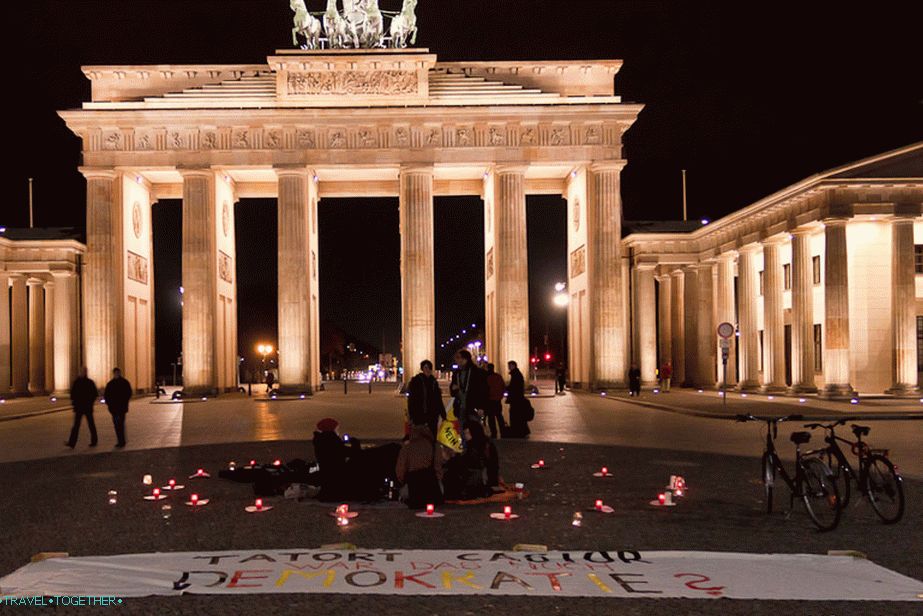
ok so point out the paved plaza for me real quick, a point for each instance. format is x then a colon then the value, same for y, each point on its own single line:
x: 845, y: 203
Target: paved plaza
x: 55, y: 499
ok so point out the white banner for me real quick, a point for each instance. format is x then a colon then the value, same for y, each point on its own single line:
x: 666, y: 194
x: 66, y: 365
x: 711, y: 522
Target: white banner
x: 702, y: 575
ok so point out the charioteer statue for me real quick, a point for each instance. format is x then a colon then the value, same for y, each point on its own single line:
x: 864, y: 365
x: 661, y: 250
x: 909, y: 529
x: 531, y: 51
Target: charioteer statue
x: 360, y: 25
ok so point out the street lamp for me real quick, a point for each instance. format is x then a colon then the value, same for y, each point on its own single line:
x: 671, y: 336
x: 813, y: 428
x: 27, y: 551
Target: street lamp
x: 264, y: 350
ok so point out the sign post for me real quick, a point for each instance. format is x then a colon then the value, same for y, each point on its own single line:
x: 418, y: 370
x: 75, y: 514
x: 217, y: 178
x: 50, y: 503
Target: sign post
x: 725, y: 331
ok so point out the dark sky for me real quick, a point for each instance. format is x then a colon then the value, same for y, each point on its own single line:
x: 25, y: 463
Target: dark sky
x: 749, y: 97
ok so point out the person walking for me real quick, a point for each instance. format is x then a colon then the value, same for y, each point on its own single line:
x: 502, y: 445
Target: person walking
x: 560, y: 379
x: 469, y: 387
x: 424, y: 399
x: 666, y: 373
x: 495, y: 388
x: 634, y: 380
x: 83, y: 394
x: 118, y: 393
x: 270, y: 380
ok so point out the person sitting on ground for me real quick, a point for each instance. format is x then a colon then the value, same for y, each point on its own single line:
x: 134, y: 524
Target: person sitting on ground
x: 417, y: 469
x: 333, y: 456
x: 475, y: 472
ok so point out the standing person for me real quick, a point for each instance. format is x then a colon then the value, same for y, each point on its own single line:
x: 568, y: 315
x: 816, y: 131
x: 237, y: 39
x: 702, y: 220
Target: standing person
x: 83, y: 394
x: 117, y: 394
x: 424, y: 400
x: 521, y: 411
x: 495, y: 387
x: 270, y: 380
x: 634, y: 380
x: 666, y: 373
x: 469, y: 387
x: 560, y: 379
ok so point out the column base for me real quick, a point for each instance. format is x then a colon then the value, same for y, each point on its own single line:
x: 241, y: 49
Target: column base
x: 798, y: 388
x: 197, y: 391
x: 837, y: 392
x: 773, y: 389
x: 748, y: 387
x: 609, y: 385
x: 904, y: 390
x: 295, y: 390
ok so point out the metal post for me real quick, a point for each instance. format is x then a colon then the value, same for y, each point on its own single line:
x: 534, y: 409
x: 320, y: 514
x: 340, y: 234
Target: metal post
x: 685, y: 216
x: 31, y: 221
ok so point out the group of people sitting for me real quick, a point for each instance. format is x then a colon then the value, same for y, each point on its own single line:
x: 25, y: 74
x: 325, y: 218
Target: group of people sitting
x: 421, y: 471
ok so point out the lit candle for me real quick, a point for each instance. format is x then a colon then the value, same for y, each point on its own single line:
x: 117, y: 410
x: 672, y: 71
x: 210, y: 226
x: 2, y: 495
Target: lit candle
x: 200, y: 472
x: 252, y: 462
x: 662, y: 498
x: 541, y: 464
x: 277, y: 462
x: 194, y: 499
x: 605, y: 471
x: 156, y: 491
x: 507, y: 512
x: 172, y: 483
x: 259, y: 503
x: 430, y: 509
x: 599, y: 504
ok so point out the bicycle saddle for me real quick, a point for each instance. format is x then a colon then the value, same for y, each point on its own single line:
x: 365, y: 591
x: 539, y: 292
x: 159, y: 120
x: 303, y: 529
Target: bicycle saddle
x: 799, y: 438
x: 860, y: 430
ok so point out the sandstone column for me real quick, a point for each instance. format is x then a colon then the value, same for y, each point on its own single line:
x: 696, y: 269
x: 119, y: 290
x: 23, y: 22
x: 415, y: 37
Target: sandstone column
x: 65, y: 331
x: 295, y: 318
x: 646, y: 322
x: 511, y: 268
x: 836, y: 311
x: 103, y: 272
x: 665, y: 319
x: 706, y: 337
x: 773, y: 319
x: 36, y: 336
x: 199, y: 282
x: 747, y: 290
x: 49, y: 336
x: 691, y: 328
x: 604, y: 213
x: 802, y: 313
x: 5, y: 332
x: 19, y: 344
x: 903, y: 308
x: 725, y: 293
x: 418, y: 294
x: 678, y: 325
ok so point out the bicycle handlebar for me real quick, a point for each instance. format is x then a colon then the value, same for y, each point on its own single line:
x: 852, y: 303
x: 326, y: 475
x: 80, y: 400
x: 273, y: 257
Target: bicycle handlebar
x: 774, y: 420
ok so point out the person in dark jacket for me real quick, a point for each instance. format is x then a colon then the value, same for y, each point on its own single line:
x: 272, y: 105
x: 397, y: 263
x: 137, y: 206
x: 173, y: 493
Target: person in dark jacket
x: 560, y: 379
x: 333, y: 455
x: 634, y: 380
x: 118, y: 393
x: 495, y: 389
x: 417, y: 468
x: 83, y: 394
x: 520, y: 407
x: 469, y: 387
x: 424, y: 400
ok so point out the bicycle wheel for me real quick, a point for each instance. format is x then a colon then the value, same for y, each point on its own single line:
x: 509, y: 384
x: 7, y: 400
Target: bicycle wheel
x: 819, y: 492
x: 841, y: 476
x: 769, y: 478
x: 885, y: 489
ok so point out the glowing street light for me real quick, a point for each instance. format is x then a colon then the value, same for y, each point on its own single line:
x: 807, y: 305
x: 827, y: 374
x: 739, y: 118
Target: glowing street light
x: 561, y: 298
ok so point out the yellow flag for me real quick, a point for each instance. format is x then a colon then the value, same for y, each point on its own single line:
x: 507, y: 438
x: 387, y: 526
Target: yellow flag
x: 447, y: 433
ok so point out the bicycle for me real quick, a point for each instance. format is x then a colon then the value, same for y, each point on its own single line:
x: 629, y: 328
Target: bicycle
x: 813, y: 481
x: 878, y: 479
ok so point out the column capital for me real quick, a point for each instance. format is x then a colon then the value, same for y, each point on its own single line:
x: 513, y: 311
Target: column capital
x: 299, y: 170
x: 836, y: 221
x: 422, y: 169
x: 730, y: 255
x: 599, y: 166
x: 645, y: 266
x: 195, y: 171
x: 63, y: 274
x: 802, y: 232
x: 98, y: 173
x: 904, y: 217
x: 510, y: 168
x: 775, y: 240
x: 36, y: 282
x: 749, y: 249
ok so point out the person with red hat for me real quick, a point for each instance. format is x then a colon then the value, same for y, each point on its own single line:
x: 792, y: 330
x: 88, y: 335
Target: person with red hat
x: 333, y: 456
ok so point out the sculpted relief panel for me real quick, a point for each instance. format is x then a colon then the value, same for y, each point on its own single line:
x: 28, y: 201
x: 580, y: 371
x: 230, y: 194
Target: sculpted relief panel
x: 353, y: 82
x: 369, y: 136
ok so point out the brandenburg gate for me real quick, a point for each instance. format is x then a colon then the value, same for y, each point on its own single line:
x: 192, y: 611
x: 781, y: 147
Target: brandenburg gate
x: 307, y: 125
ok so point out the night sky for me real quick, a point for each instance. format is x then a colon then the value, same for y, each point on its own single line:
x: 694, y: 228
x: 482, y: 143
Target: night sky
x: 748, y: 97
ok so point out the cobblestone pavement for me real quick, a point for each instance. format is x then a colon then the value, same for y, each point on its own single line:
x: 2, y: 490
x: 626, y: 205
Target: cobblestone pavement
x: 60, y: 504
